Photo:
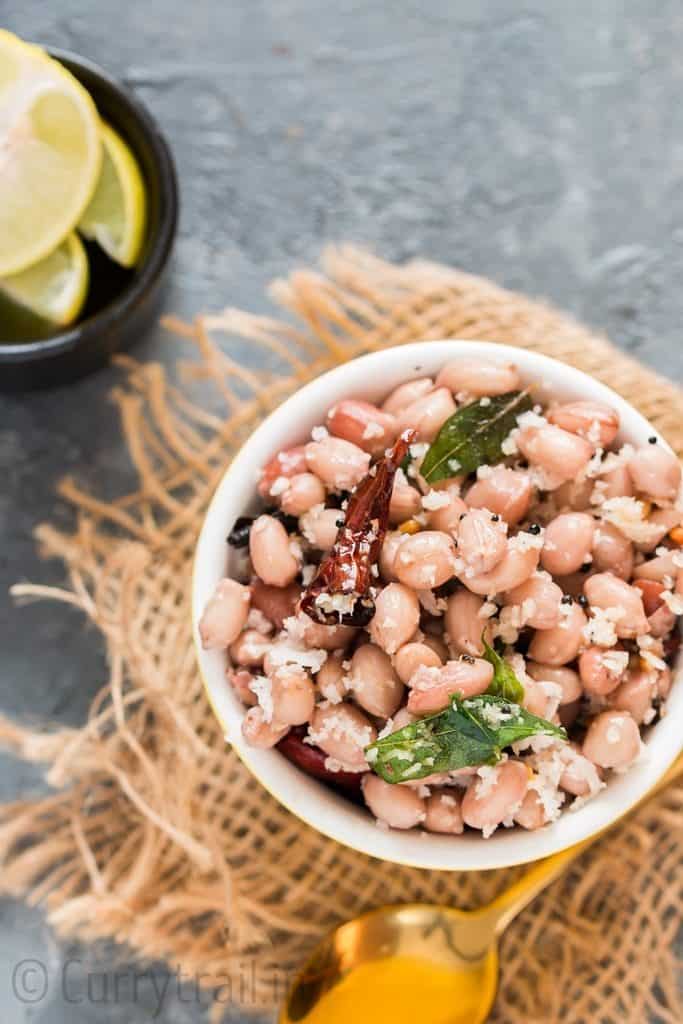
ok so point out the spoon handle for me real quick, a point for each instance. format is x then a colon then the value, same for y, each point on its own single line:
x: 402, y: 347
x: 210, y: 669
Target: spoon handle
x: 506, y: 906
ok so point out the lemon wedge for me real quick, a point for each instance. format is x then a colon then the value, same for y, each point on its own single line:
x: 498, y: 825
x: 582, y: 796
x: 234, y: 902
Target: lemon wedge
x: 50, y: 153
x: 55, y: 288
x: 117, y: 213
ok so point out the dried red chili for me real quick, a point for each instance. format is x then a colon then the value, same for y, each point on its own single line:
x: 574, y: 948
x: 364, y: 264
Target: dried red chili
x: 346, y: 572
x: 312, y: 760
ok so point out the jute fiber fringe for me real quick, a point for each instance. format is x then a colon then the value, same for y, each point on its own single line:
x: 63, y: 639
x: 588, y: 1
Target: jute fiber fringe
x: 156, y: 836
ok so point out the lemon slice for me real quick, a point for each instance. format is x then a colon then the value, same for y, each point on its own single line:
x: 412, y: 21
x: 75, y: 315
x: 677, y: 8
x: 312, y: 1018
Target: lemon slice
x: 50, y: 153
x: 117, y: 213
x: 54, y: 288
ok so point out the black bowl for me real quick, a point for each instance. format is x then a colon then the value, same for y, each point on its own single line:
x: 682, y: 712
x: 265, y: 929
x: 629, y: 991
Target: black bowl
x: 121, y: 302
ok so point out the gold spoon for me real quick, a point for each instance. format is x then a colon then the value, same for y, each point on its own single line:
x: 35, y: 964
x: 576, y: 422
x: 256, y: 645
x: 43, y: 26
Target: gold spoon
x: 414, y: 961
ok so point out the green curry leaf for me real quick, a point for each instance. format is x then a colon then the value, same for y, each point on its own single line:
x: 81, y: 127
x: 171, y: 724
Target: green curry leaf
x: 473, y: 436
x: 504, y: 683
x: 470, y: 732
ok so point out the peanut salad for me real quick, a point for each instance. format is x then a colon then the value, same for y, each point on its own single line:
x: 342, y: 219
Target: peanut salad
x: 460, y: 606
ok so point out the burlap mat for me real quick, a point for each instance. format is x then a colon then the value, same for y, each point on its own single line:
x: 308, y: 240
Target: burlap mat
x: 157, y: 836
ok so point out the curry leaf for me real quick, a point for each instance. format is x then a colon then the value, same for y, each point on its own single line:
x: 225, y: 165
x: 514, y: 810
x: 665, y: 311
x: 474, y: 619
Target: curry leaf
x: 469, y: 732
x: 473, y: 436
x: 504, y: 683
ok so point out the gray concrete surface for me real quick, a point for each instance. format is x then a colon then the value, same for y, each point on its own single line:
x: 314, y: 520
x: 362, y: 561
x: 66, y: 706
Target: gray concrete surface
x: 539, y: 143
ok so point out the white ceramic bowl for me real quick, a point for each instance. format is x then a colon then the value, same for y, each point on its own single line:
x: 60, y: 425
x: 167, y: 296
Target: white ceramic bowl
x: 372, y: 377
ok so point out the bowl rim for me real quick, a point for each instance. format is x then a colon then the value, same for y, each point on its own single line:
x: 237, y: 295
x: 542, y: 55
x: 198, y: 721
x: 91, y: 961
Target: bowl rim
x: 336, y: 820
x: 161, y: 244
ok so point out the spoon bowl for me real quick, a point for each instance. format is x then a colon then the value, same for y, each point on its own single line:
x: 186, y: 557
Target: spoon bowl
x: 387, y: 964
